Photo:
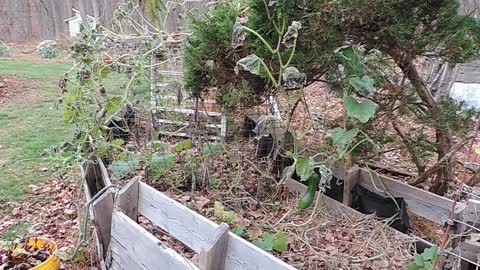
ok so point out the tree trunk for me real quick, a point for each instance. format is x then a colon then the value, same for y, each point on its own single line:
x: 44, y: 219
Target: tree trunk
x: 28, y: 20
x: 96, y: 11
x: 418, y: 163
x: 83, y: 13
x: 443, y: 136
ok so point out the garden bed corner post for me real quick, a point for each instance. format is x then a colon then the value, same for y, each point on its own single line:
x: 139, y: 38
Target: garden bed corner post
x: 213, y: 256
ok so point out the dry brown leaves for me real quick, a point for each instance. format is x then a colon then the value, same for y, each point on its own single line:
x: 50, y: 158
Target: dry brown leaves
x: 10, y: 89
x: 50, y: 211
x: 329, y: 241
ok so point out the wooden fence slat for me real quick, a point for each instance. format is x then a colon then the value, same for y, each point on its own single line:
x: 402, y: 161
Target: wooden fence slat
x: 213, y: 256
x: 128, y: 199
x: 187, y: 226
x: 195, y: 231
x: 102, y: 209
x: 131, y: 239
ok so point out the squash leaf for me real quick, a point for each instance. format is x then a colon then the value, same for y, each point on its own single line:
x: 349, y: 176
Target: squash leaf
x: 183, y: 145
x: 362, y: 111
x: 304, y: 167
x: 280, y: 243
x: 251, y: 63
x: 343, y: 138
x: 122, y: 168
x: 363, y: 84
x: 265, y: 243
x: 160, y: 163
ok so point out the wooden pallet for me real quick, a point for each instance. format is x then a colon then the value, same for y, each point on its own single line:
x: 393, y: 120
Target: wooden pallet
x: 217, y: 121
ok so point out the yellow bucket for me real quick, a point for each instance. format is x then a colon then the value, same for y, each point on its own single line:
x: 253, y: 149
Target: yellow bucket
x: 53, y: 262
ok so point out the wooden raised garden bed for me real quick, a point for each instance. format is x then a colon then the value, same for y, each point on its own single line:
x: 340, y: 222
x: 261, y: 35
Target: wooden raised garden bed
x: 124, y: 244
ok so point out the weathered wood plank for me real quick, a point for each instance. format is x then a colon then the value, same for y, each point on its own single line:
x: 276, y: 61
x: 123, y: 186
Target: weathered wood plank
x: 189, y: 227
x: 102, y: 219
x: 242, y: 255
x: 128, y: 199
x: 142, y: 247
x: 350, y: 181
x: 213, y: 256
x: 195, y: 231
x: 472, y: 213
x: 469, y: 250
x: 421, y: 202
x: 120, y: 259
x: 468, y: 73
x: 94, y: 173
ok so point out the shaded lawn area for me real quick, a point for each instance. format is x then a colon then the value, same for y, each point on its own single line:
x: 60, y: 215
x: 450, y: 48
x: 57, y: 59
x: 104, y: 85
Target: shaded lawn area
x: 28, y: 125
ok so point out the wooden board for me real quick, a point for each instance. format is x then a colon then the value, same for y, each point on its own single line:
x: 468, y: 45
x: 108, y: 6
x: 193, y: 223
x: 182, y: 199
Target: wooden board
x: 469, y: 250
x: 195, y: 231
x: 242, y: 255
x: 132, y: 244
x: 472, y: 213
x: 468, y: 73
x: 421, y: 202
x: 93, y: 172
x: 128, y: 199
x: 213, y: 256
x: 102, y: 219
x: 189, y: 227
x: 350, y: 182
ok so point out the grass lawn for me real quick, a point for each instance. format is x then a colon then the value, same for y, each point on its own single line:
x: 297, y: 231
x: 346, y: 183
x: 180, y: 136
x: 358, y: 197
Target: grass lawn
x: 28, y: 125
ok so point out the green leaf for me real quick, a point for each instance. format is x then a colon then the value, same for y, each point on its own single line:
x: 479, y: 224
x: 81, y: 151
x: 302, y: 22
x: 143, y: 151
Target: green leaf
x: 160, y: 163
x: 361, y: 111
x: 117, y: 142
x: 80, y: 255
x: 68, y: 115
x: 218, y: 209
x: 342, y: 138
x: 251, y: 63
x: 280, y: 243
x: 430, y: 253
x: 363, y: 84
x: 123, y: 155
x: 113, y: 105
x: 104, y: 72
x: 265, y: 243
x: 213, y: 148
x: 412, y: 266
x: 428, y: 266
x: 239, y: 230
x: 418, y: 259
x: 160, y: 145
x: 183, y: 145
x: 229, y: 217
x: 352, y: 58
x: 304, y: 167
x: 220, y: 213
x: 122, y: 168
